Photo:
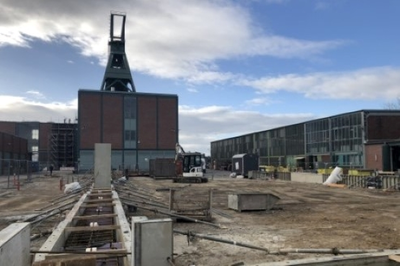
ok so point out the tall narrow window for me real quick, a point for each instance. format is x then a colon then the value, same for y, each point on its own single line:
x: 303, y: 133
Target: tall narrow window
x: 35, y: 133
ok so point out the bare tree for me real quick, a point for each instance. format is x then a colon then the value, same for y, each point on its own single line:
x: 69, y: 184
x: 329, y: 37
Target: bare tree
x: 394, y: 105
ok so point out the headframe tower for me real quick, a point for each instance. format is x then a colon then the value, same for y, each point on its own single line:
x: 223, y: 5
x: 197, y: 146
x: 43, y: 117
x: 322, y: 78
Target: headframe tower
x: 117, y: 76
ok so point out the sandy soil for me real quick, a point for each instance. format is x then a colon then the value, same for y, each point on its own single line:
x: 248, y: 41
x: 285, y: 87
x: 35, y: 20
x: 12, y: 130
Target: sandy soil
x: 306, y: 216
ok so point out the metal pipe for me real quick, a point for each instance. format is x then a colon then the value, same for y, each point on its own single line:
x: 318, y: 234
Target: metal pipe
x: 50, y: 210
x: 334, y: 251
x: 144, y: 202
x: 100, y: 252
x: 59, y: 210
x: 171, y: 214
x: 58, y: 201
x: 192, y: 234
x: 41, y: 234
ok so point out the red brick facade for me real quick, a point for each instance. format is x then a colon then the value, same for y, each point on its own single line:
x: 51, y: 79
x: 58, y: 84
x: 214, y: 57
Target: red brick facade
x: 167, y: 117
x: 89, y: 119
x: 101, y: 120
x: 7, y: 127
x: 147, y: 124
x: 112, y: 120
x: 382, y: 127
x: 44, y: 135
x: 373, y: 156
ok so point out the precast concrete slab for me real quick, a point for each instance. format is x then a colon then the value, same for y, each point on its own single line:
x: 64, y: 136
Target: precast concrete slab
x: 153, y: 242
x: 56, y: 240
x: 123, y: 235
x: 252, y: 201
x: 15, y: 245
x: 305, y: 177
x: 102, y: 165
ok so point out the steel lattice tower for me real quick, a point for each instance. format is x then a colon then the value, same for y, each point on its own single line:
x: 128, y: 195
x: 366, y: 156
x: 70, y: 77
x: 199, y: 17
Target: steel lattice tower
x: 117, y: 76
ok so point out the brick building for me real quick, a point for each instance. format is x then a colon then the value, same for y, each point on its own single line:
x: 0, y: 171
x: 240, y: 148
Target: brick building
x: 139, y: 126
x: 14, y: 155
x: 47, y: 143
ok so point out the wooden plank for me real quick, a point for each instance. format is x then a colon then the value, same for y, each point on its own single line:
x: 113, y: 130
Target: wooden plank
x: 100, y: 216
x: 99, y: 190
x: 97, y: 205
x: 91, y: 228
x: 395, y: 258
x: 100, y: 194
x: 99, y: 200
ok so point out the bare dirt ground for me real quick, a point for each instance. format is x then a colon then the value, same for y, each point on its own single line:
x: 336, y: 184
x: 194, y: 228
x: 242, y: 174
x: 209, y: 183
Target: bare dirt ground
x: 306, y: 216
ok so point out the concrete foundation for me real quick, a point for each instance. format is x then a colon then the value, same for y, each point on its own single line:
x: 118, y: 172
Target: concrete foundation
x: 153, y: 242
x: 15, y: 245
x: 252, y: 201
x: 306, y: 177
x: 102, y: 165
x: 55, y: 242
x: 123, y: 235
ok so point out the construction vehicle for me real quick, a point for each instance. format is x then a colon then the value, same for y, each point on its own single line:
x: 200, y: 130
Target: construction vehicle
x: 189, y: 166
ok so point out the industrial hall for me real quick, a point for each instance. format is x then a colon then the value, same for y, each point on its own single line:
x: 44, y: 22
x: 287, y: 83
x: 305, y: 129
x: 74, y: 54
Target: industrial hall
x: 364, y: 139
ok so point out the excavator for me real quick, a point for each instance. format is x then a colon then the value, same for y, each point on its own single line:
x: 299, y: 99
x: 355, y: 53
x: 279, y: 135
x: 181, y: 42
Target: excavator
x: 190, y: 167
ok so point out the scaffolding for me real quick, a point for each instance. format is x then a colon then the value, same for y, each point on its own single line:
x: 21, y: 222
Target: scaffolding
x: 63, y: 145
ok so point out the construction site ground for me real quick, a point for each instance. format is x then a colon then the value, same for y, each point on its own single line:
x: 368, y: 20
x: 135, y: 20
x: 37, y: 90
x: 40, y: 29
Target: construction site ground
x: 306, y: 216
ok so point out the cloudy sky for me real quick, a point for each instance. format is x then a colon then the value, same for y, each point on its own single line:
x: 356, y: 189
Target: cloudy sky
x: 237, y: 66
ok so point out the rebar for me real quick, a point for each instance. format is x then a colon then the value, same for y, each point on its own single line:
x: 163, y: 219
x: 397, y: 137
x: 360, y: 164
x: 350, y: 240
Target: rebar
x: 192, y: 234
x: 334, y: 251
x: 170, y: 214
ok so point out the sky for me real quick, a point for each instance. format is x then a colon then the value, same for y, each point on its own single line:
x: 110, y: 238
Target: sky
x: 237, y: 66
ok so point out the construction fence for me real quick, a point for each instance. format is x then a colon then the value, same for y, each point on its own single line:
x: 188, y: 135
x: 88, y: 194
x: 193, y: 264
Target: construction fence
x: 17, y: 167
x: 387, y: 182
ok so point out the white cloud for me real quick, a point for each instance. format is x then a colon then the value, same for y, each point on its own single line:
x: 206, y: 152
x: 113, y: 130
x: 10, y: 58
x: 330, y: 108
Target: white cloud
x: 192, y: 90
x: 22, y: 109
x: 36, y: 94
x: 369, y: 83
x: 259, y: 101
x: 174, y: 39
x: 70, y: 62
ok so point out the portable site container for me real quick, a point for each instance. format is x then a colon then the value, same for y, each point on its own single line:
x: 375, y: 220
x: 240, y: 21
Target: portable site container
x: 243, y: 163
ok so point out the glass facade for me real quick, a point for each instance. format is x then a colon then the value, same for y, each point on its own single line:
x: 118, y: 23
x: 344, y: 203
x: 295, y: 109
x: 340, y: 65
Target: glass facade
x: 340, y: 137
x: 331, y: 141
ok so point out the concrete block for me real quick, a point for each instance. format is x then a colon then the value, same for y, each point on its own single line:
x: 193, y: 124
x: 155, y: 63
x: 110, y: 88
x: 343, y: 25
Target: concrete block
x: 252, y: 201
x: 152, y: 242
x: 15, y: 245
x: 306, y: 177
x: 102, y: 165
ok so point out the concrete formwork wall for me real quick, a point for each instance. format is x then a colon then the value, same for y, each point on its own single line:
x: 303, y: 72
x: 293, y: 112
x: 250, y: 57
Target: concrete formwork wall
x: 153, y: 242
x: 102, y: 165
x: 306, y: 177
x: 15, y: 245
